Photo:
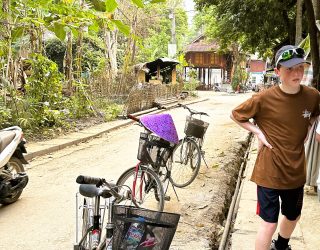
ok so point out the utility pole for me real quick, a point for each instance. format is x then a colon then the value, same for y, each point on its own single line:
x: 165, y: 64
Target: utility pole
x: 172, y: 47
x: 173, y: 27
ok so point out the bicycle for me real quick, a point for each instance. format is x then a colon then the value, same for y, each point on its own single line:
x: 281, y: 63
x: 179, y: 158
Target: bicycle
x: 121, y: 230
x: 188, y: 152
x: 154, y: 153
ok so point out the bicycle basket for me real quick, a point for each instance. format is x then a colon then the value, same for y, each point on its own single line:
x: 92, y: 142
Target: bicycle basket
x: 153, y: 149
x: 195, y: 127
x: 156, y: 228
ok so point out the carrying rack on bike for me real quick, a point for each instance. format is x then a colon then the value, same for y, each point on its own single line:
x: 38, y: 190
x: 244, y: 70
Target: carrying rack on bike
x: 195, y: 127
x: 156, y: 229
x: 127, y: 227
x: 154, y: 150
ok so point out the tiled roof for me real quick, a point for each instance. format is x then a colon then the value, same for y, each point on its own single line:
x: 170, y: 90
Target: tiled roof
x: 257, y: 66
x: 200, y: 45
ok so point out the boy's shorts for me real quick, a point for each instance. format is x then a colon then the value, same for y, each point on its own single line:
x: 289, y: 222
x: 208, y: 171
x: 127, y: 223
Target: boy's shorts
x: 268, y: 206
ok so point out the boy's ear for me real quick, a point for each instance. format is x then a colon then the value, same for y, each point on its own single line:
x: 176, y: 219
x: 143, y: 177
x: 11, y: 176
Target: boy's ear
x: 277, y: 71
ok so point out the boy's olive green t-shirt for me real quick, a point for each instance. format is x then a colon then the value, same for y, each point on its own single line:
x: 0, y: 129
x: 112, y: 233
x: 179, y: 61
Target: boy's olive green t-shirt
x: 284, y: 119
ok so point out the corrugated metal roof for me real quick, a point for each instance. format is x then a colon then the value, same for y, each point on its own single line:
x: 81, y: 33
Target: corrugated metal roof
x: 163, y: 62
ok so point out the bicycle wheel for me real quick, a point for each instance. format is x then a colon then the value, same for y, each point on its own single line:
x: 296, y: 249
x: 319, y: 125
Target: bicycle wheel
x: 146, y: 187
x: 186, y: 162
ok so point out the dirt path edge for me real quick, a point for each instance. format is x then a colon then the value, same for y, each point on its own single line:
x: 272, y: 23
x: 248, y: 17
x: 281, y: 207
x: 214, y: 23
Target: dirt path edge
x: 229, y: 175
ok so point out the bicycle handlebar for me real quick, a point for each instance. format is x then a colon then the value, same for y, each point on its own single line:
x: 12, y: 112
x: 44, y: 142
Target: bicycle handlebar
x: 83, y: 179
x: 133, y: 118
x: 192, y: 111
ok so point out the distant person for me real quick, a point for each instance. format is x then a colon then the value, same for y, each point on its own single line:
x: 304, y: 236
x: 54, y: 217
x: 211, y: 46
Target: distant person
x: 318, y: 131
x: 318, y: 139
x: 282, y: 116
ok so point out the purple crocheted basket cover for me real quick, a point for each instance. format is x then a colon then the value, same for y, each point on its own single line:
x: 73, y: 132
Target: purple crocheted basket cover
x: 162, y: 125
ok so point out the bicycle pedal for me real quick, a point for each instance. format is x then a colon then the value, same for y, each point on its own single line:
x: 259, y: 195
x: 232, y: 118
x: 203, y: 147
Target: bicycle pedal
x: 167, y: 198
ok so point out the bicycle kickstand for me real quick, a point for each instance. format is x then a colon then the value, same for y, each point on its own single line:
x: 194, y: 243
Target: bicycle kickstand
x: 174, y: 189
x: 202, y: 154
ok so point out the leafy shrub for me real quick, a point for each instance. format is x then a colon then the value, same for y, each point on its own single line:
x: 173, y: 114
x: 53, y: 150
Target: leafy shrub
x: 239, y: 78
x: 5, y: 116
x: 109, y: 110
x: 44, y: 91
x: 55, y: 50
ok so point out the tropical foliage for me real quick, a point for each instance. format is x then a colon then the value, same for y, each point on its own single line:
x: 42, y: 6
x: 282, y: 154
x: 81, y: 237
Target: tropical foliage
x: 67, y: 59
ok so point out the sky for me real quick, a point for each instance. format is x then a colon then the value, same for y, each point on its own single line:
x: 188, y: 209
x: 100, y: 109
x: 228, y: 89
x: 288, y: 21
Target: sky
x: 189, y: 7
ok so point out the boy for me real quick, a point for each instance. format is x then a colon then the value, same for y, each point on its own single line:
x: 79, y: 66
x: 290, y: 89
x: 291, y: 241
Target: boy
x: 282, y: 115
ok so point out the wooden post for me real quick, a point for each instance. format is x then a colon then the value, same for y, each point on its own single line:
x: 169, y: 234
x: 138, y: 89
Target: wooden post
x: 158, y: 72
x: 174, y: 75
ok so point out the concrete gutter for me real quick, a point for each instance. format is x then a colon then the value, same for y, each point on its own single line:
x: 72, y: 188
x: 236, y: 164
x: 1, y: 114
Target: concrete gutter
x: 41, y: 148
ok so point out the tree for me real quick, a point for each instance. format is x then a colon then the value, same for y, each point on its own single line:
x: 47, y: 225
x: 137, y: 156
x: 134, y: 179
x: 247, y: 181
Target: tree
x: 261, y: 26
x: 157, y: 34
x: 313, y: 14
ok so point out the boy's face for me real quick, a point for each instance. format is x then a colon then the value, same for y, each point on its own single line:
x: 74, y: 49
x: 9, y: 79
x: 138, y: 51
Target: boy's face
x: 291, y: 76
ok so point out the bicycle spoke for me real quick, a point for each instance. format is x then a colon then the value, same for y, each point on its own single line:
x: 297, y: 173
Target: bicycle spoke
x: 185, y: 171
x: 146, y: 187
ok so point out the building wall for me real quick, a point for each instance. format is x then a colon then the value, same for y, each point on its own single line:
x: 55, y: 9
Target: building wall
x: 256, y: 78
x: 141, y: 76
x: 206, y: 59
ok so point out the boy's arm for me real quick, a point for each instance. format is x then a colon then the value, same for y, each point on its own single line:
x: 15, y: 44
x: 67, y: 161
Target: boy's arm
x: 255, y: 130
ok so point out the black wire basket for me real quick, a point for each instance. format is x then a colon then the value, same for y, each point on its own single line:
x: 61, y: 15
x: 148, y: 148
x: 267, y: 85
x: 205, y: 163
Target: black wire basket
x: 152, y: 229
x: 195, y: 127
x: 154, y: 150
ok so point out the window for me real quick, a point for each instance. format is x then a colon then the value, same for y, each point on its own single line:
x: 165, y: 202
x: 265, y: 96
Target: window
x: 254, y: 79
x: 198, y: 59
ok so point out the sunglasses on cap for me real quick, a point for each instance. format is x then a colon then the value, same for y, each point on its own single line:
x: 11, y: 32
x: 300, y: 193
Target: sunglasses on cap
x: 290, y: 53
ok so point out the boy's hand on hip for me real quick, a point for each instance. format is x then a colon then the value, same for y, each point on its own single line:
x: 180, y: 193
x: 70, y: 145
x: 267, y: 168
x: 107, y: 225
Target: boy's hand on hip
x: 262, y: 141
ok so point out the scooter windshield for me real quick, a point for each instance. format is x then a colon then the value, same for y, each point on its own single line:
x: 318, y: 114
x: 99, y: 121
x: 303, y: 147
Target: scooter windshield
x: 162, y: 125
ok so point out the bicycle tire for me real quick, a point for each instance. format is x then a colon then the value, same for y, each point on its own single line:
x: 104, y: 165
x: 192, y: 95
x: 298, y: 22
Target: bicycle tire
x: 148, y: 188
x: 186, y: 161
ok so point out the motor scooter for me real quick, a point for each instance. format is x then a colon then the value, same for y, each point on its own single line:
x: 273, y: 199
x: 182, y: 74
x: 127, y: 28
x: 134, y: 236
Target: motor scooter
x: 13, y: 177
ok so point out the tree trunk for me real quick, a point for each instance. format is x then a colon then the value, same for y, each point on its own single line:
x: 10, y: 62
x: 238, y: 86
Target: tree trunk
x: 313, y: 42
x: 79, y: 47
x: 7, y: 35
x: 68, y: 62
x: 40, y: 39
x: 299, y: 22
x: 111, y: 40
x: 316, y: 8
x: 79, y: 54
x: 133, y: 40
x: 235, y: 63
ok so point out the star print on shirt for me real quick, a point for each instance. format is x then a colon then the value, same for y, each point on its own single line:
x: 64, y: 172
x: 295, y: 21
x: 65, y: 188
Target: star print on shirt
x: 306, y: 114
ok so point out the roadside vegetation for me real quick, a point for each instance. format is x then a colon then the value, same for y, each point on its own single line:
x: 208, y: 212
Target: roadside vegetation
x: 66, y: 62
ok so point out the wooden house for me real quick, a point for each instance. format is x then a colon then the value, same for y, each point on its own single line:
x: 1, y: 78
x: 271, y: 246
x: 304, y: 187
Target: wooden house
x: 212, y: 67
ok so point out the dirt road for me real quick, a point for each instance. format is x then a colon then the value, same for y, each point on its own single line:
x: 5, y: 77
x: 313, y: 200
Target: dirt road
x: 44, y: 218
